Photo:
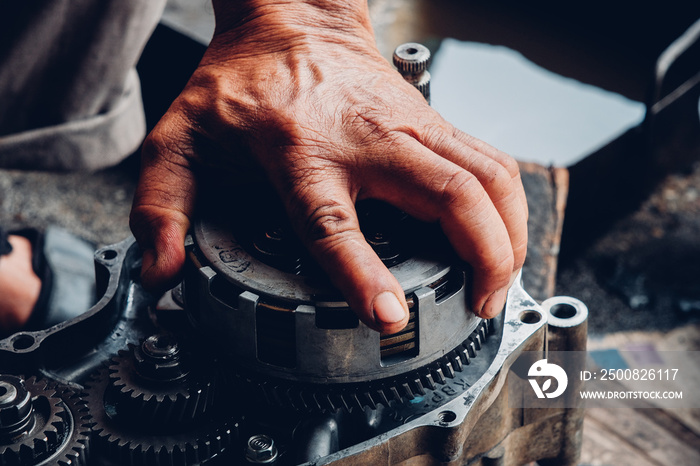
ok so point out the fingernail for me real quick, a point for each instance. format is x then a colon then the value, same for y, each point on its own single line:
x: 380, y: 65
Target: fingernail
x: 494, y: 304
x: 388, y: 308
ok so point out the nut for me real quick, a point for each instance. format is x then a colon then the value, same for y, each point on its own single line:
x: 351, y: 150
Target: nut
x: 261, y: 449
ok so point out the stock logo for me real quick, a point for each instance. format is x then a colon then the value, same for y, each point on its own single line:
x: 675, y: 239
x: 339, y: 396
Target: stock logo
x: 543, y: 369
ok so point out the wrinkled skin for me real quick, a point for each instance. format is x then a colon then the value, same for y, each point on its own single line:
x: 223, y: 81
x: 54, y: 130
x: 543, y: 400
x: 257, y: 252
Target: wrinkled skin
x: 299, y: 91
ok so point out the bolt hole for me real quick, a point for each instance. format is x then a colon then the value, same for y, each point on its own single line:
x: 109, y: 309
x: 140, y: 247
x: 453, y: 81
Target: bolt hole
x: 3, y: 391
x: 22, y: 342
x: 447, y: 416
x: 530, y: 317
x: 563, y: 311
x: 412, y: 51
x: 108, y: 254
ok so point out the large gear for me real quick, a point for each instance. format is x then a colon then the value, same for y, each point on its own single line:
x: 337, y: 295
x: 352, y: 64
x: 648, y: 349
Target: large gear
x: 164, y: 388
x: 405, y: 387
x: 125, y: 441
x: 41, y: 424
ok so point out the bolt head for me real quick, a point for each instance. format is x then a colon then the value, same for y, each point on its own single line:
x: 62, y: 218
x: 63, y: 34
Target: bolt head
x: 161, y: 346
x: 159, y: 358
x: 261, y: 449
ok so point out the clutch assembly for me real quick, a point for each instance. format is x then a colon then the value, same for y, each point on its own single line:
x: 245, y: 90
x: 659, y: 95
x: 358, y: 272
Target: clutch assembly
x: 256, y: 359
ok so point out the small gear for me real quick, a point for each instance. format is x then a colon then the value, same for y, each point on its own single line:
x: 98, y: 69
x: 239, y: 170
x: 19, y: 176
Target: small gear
x: 41, y: 424
x: 126, y: 441
x: 157, y: 383
x: 313, y: 397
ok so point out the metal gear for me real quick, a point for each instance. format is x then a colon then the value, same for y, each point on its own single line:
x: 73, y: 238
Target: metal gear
x: 157, y: 383
x: 127, y: 441
x: 412, y: 61
x: 314, y: 397
x: 41, y: 424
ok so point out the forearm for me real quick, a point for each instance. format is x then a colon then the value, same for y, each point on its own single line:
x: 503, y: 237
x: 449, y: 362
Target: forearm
x: 276, y: 25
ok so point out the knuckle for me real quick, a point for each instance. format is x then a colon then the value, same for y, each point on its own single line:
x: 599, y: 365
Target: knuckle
x: 498, y: 178
x: 329, y: 223
x: 499, y: 264
x: 164, y: 144
x: 154, y: 223
x: 511, y: 165
x: 459, y: 189
x: 506, y: 161
x: 437, y: 135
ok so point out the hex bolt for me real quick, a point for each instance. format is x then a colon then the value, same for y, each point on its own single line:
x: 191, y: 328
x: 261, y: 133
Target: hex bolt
x: 159, y: 358
x: 261, y: 449
x: 412, y: 60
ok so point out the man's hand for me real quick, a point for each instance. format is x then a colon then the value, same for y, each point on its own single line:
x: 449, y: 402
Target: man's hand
x: 299, y: 90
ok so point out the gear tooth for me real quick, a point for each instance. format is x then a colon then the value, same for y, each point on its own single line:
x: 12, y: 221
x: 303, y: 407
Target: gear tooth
x: 464, y: 356
x: 301, y: 403
x: 317, y: 401
x: 448, y: 370
x: 439, y: 376
x: 289, y: 397
x: 191, y: 452
x: 369, y: 400
x: 407, y: 391
x: 143, y: 397
x: 456, y: 362
x: 476, y: 339
x: 382, y: 397
x: 178, y: 456
x: 395, y: 395
x: 356, y: 401
x: 184, y: 408
x: 304, y: 402
x: 471, y: 348
x: 429, y: 381
x: 326, y: 398
x: 40, y: 446
x: 418, y: 386
x: 483, y: 332
x: 344, y: 402
x: 26, y: 452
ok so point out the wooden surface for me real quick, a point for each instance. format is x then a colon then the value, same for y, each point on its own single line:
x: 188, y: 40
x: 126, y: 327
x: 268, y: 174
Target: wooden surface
x: 650, y: 436
x: 546, y: 189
